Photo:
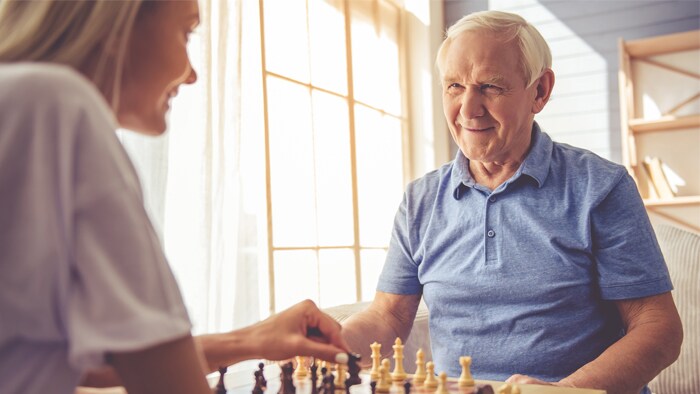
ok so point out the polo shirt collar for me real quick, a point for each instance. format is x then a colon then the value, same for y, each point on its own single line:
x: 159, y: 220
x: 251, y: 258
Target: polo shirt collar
x: 536, y: 163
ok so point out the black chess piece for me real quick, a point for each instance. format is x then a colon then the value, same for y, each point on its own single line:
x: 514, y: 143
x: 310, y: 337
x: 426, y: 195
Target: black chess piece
x: 407, y: 387
x: 484, y: 389
x: 373, y: 386
x: 258, y: 388
x: 286, y: 382
x: 220, y: 387
x: 263, y: 381
x: 353, y: 370
x: 314, y: 377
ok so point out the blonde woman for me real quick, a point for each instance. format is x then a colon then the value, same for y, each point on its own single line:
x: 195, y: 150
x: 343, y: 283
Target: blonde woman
x: 84, y: 283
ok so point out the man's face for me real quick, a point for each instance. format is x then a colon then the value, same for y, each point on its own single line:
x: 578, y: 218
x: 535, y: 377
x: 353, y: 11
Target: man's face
x: 488, y: 109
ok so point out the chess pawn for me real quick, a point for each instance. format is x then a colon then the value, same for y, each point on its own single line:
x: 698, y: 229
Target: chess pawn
x: 384, y: 379
x: 505, y: 389
x: 419, y: 376
x: 300, y: 373
x: 430, y: 382
x: 465, y: 379
x: 376, y: 356
x: 399, y: 374
x: 340, y: 376
x: 442, y: 384
x: 220, y: 387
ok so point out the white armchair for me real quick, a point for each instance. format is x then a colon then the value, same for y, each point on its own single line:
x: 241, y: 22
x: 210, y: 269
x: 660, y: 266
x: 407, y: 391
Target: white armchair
x: 418, y: 339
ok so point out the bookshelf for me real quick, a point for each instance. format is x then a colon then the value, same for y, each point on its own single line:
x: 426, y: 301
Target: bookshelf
x: 659, y: 82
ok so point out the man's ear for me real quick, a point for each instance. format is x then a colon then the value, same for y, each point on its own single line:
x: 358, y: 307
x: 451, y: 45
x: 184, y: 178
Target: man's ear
x: 543, y: 88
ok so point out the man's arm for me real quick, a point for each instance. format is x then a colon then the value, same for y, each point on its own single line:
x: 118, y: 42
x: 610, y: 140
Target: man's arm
x: 387, y: 317
x: 652, y: 342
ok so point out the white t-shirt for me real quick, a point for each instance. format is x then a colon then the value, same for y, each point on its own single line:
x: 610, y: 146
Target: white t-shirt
x: 81, y: 269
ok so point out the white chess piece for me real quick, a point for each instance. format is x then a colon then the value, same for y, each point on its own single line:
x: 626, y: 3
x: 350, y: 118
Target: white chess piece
x: 399, y: 374
x: 376, y: 356
x: 465, y: 379
x: 430, y: 382
x: 419, y: 376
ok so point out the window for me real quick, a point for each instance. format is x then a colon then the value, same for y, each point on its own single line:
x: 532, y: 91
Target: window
x: 335, y: 145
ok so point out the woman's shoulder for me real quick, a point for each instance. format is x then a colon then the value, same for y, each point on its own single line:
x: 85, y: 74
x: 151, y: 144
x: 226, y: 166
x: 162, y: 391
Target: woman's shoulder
x: 41, y: 82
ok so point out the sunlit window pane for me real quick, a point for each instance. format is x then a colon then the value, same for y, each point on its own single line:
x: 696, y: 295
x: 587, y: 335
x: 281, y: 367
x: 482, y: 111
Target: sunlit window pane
x: 379, y: 174
x: 333, y: 173
x: 375, y: 59
x: 337, y: 284
x: 291, y: 164
x: 296, y: 277
x: 327, y: 39
x: 372, y: 261
x: 286, y: 38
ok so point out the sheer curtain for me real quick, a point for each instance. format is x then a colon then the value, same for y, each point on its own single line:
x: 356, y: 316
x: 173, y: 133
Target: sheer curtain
x: 203, y: 205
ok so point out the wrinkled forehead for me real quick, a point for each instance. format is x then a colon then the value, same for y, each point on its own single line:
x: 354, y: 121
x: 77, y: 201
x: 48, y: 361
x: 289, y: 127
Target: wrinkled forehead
x: 481, y: 50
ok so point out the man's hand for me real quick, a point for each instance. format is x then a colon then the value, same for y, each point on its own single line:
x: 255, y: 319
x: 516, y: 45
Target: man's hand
x: 524, y: 379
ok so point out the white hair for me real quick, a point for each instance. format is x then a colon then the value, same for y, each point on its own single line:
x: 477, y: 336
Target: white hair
x: 535, y: 56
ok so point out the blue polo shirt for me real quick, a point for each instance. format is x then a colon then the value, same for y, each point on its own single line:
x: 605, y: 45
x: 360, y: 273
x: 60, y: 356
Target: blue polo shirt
x: 521, y: 278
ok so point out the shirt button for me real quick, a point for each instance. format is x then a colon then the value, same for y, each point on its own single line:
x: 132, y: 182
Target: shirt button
x: 492, y: 198
x: 491, y: 233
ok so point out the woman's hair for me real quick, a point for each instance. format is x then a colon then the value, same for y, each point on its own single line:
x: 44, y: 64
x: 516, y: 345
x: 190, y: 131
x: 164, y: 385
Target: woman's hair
x: 535, y: 56
x: 90, y: 36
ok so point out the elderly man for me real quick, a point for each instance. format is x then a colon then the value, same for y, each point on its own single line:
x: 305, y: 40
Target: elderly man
x: 536, y: 258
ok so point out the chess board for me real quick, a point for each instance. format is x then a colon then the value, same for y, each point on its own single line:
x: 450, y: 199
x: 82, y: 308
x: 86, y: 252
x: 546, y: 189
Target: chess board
x: 235, y: 385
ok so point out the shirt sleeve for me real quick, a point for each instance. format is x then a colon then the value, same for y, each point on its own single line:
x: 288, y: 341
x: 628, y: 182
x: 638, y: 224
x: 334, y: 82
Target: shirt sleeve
x: 400, y: 272
x: 122, y: 294
x: 628, y: 258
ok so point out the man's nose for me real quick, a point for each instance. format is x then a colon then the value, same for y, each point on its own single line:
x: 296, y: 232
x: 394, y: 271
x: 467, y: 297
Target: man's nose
x: 472, y: 105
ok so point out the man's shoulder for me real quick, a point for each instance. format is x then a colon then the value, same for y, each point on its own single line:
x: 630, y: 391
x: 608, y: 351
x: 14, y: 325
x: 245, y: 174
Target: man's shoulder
x: 585, y: 162
x: 432, y: 181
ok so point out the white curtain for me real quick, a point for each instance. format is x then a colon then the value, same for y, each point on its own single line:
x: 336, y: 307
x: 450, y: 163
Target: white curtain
x: 204, y: 207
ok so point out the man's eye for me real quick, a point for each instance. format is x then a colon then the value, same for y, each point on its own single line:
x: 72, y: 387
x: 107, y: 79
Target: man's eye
x: 488, y: 88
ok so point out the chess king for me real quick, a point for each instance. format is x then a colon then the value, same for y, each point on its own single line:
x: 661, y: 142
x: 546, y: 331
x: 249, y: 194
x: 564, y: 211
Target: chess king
x: 535, y: 258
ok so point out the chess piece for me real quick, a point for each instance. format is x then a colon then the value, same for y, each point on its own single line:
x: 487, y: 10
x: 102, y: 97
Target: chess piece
x: 384, y: 383
x: 353, y: 370
x: 258, y: 388
x: 314, y: 377
x: 505, y: 389
x: 399, y: 374
x: 442, y: 384
x: 407, y: 387
x: 484, y: 389
x: 430, y: 382
x: 340, y: 376
x: 300, y: 373
x: 220, y: 386
x: 286, y: 379
x: 263, y: 381
x: 373, y: 386
x: 419, y: 376
x: 465, y: 379
x: 376, y: 356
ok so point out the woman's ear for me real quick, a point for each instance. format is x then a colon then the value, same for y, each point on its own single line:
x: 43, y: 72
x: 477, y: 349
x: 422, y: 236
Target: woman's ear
x: 543, y: 90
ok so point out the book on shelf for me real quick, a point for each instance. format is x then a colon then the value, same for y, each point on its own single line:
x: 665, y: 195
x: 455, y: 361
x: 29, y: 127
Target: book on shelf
x: 659, y: 185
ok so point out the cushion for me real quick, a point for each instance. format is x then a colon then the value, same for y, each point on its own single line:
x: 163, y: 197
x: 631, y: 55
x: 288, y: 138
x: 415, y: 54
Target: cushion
x: 681, y: 250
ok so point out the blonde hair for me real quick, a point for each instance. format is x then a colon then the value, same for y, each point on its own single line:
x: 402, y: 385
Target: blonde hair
x: 74, y: 33
x: 535, y: 56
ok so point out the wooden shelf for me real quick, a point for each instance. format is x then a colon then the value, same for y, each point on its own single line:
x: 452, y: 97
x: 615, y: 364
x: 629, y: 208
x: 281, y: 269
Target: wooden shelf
x: 672, y: 202
x: 677, y: 42
x: 665, y: 123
